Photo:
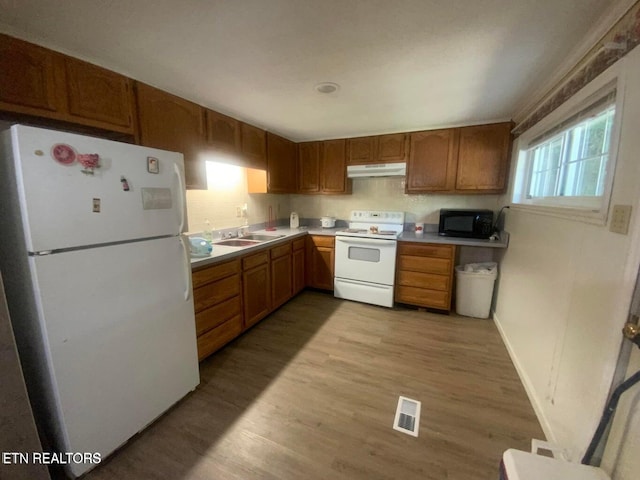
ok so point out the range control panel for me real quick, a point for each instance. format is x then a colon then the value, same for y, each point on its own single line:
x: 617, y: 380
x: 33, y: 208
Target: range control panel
x: 377, y: 216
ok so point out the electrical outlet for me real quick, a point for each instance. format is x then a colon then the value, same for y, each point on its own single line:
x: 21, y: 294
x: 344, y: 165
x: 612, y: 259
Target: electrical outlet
x: 620, y: 217
x: 238, y: 212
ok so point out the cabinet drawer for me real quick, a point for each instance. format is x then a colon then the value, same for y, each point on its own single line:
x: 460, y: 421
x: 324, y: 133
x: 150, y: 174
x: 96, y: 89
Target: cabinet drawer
x: 422, y: 297
x: 322, y: 240
x: 281, y: 250
x: 254, y: 260
x: 426, y: 250
x: 412, y: 263
x: 215, y: 272
x: 298, y: 244
x: 213, y: 293
x: 423, y: 280
x: 217, y: 337
x: 218, y: 314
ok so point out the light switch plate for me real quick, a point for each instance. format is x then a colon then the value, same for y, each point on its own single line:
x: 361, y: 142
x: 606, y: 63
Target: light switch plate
x: 620, y: 218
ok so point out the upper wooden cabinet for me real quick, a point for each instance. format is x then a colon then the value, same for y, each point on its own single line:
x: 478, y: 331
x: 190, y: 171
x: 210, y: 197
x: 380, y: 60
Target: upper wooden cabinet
x: 254, y: 146
x: 281, y: 164
x: 322, y: 167
x: 39, y: 82
x: 483, y: 158
x: 333, y: 168
x: 95, y: 93
x: 28, y: 80
x: 173, y: 123
x: 432, y: 161
x: 459, y: 160
x: 390, y: 148
x: 362, y: 150
x: 309, y: 167
x: 223, y: 132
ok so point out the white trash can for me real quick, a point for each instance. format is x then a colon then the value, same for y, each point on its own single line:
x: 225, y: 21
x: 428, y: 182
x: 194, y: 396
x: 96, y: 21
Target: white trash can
x: 474, y: 288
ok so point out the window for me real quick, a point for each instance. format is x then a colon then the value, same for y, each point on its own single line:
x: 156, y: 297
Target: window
x: 573, y: 163
x: 566, y: 163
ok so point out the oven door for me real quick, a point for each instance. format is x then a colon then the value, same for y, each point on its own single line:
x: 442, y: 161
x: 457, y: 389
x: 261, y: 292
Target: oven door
x: 365, y: 259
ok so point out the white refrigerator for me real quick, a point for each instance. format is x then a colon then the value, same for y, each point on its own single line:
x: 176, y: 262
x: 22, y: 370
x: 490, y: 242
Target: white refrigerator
x: 98, y: 283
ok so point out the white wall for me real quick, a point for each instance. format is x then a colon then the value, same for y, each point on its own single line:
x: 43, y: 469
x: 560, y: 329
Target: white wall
x: 387, y: 193
x: 218, y: 205
x: 564, y: 293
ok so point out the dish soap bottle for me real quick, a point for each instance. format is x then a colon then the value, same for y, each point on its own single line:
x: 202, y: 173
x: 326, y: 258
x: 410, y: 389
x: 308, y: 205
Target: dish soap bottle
x: 208, y: 232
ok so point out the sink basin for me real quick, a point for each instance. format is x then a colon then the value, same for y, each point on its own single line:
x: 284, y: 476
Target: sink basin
x: 237, y: 243
x: 261, y: 238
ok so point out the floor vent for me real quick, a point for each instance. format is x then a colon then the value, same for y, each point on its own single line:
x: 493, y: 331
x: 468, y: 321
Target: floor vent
x: 407, y: 416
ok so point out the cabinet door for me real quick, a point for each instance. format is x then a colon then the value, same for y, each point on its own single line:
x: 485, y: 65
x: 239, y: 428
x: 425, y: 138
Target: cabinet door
x: 392, y: 148
x: 309, y: 167
x: 483, y: 158
x: 298, y: 271
x: 333, y: 168
x: 28, y: 81
x: 223, y: 132
x: 320, y: 265
x: 281, y: 281
x: 256, y: 294
x: 432, y: 161
x: 281, y: 164
x: 175, y: 124
x: 254, y: 146
x: 95, y: 93
x: 361, y: 151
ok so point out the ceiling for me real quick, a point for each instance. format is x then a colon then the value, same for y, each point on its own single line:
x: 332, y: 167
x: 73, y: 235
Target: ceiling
x: 402, y: 65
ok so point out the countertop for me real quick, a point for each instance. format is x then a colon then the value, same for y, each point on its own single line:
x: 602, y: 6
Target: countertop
x: 221, y: 252
x: 433, y: 237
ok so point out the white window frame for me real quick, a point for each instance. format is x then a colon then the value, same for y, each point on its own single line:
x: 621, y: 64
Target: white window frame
x: 592, y: 209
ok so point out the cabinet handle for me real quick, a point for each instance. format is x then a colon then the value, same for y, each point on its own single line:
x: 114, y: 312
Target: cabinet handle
x: 187, y: 268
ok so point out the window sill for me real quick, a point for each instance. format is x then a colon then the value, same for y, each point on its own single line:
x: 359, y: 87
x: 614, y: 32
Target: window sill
x: 573, y: 214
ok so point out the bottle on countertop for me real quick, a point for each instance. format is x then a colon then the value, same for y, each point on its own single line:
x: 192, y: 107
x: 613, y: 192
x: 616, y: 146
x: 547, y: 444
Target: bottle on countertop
x: 294, y: 221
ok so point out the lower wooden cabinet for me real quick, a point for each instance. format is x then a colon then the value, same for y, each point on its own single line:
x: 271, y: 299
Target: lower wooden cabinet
x: 424, y: 274
x: 217, y: 305
x: 256, y: 287
x: 232, y: 296
x: 298, y: 266
x: 281, y: 280
x: 320, y: 260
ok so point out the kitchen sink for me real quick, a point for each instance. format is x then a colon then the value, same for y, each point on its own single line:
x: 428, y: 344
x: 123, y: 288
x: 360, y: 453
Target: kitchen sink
x: 237, y: 243
x: 261, y: 238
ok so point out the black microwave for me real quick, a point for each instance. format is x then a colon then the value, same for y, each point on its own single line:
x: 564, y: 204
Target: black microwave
x: 457, y: 222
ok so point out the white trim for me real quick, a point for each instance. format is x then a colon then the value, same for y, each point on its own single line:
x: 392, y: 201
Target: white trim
x: 526, y: 383
x: 559, y: 207
x: 606, y: 22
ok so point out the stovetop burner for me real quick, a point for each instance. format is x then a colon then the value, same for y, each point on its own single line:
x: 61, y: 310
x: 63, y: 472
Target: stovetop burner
x: 374, y: 224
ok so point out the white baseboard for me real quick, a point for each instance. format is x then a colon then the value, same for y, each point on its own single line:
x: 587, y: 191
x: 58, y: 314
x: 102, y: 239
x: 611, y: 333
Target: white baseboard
x: 526, y: 382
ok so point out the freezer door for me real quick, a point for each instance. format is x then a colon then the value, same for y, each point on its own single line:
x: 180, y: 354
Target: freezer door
x: 65, y: 205
x: 121, y: 339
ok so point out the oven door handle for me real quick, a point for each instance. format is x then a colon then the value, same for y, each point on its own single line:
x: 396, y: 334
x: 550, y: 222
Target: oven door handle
x: 365, y: 241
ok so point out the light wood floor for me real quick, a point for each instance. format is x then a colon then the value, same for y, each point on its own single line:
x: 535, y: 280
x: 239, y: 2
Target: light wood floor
x: 311, y: 392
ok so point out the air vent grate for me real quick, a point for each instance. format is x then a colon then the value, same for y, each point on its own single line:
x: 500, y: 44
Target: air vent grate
x: 407, y: 418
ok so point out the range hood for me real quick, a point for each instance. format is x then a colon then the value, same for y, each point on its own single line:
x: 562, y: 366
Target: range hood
x: 377, y: 170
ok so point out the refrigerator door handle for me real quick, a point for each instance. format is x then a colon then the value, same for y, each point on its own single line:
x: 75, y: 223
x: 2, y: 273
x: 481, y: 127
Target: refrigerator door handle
x: 178, y: 173
x: 187, y: 267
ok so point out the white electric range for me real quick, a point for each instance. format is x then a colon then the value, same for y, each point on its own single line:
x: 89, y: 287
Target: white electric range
x: 365, y: 257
